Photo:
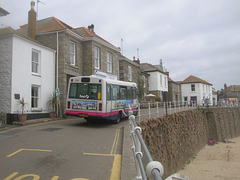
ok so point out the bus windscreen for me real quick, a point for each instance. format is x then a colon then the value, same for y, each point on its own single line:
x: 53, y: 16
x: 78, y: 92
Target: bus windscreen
x: 85, y: 91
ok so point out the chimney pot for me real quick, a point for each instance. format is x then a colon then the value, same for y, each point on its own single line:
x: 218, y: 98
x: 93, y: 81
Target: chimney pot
x: 32, y: 4
x: 91, y: 28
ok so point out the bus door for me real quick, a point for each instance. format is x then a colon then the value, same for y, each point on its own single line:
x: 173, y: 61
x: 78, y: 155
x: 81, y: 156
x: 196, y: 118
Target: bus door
x: 108, y: 99
x: 114, y: 99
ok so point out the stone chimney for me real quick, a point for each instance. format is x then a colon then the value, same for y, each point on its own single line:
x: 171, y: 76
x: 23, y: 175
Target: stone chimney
x: 225, y: 87
x: 32, y: 21
x: 136, y: 61
x: 91, y: 28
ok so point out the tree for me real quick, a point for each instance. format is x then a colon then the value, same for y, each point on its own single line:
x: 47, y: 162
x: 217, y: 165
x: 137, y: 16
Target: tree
x: 141, y: 89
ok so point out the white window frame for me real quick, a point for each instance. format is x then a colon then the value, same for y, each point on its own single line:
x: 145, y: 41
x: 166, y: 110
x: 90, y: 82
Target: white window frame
x: 72, y: 53
x: 109, y: 62
x: 165, y: 78
x: 161, y: 84
x: 36, y: 63
x: 37, y: 97
x: 193, y: 89
x: 129, y: 73
x: 97, y: 57
x: 144, y: 81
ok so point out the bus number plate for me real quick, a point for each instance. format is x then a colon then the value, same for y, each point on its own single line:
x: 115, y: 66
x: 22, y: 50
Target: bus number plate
x: 83, y: 115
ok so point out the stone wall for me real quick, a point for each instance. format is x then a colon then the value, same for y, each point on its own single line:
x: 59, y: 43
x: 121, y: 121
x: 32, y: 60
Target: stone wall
x: 6, y: 44
x: 175, y: 141
x: 123, y: 70
x: 223, y: 123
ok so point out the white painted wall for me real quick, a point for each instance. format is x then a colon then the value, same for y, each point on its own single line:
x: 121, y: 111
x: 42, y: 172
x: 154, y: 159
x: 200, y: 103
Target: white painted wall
x: 23, y: 78
x: 155, y: 82
x: 202, y: 91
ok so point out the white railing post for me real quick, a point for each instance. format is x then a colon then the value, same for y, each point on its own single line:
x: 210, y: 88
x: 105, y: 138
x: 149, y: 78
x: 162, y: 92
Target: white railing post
x: 139, y: 110
x: 157, y: 109
x: 170, y: 106
x: 149, y: 110
x: 164, y: 111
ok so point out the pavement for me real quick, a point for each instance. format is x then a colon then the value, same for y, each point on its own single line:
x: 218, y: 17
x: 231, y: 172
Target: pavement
x: 128, y: 171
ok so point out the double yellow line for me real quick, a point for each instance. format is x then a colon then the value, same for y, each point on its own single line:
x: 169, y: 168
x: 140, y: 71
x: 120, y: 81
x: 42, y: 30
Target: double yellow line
x: 117, y: 162
x: 115, y: 142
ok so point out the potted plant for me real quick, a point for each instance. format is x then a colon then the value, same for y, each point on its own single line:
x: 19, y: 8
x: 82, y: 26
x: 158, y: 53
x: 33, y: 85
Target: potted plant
x: 53, y: 102
x: 22, y: 117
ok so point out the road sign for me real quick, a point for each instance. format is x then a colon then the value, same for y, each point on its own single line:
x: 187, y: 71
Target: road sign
x: 57, y: 93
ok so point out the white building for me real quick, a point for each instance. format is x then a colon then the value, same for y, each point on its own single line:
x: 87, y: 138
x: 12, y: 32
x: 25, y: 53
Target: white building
x: 27, y: 70
x: 157, y: 79
x: 196, y: 90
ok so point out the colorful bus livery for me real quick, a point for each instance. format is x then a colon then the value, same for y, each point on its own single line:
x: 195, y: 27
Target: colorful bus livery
x: 84, y: 105
x: 95, y: 97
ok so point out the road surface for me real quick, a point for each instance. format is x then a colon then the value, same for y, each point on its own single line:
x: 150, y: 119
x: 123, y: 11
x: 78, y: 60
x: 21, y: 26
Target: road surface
x: 69, y: 149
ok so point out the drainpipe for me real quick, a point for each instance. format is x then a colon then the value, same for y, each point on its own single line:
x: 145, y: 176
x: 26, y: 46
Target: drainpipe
x: 57, y: 73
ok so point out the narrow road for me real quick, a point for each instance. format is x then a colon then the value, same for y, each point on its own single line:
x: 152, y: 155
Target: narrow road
x: 62, y: 150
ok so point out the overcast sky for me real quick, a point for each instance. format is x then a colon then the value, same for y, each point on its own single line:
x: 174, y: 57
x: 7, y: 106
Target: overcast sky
x: 200, y: 38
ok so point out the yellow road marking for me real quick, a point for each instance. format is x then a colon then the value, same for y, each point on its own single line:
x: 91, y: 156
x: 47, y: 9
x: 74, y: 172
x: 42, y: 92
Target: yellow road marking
x: 35, y: 177
x: 116, y: 168
x: 115, y: 142
x: 117, y: 162
x: 40, y: 150
x: 11, y: 176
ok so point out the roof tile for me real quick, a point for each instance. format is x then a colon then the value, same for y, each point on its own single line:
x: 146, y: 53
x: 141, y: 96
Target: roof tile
x: 194, y: 79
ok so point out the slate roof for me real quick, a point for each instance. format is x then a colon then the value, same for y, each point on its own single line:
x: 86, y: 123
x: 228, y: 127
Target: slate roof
x: 46, y: 25
x: 11, y: 31
x: 233, y: 88
x: 170, y: 80
x: 52, y: 24
x: 3, y: 12
x: 150, y: 68
x: 194, y: 79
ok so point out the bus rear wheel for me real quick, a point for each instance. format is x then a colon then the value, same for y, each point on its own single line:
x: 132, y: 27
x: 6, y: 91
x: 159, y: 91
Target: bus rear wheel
x: 117, y: 121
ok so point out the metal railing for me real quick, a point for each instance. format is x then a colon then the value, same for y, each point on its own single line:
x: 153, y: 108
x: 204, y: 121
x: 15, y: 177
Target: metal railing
x: 156, y: 109
x: 154, y: 169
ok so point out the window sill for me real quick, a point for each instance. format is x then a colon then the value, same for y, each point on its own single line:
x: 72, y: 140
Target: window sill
x: 34, y: 74
x: 73, y: 66
x: 36, y: 110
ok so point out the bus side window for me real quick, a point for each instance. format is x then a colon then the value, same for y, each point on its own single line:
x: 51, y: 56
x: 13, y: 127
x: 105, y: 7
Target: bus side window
x: 73, y: 90
x: 129, y: 93
x: 123, y: 92
x: 115, y: 92
x: 134, y: 93
x: 108, y: 92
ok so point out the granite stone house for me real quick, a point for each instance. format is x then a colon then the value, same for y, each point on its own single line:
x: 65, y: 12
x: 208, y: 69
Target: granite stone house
x: 229, y: 95
x: 79, y: 51
x: 128, y: 70
x: 174, y: 91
